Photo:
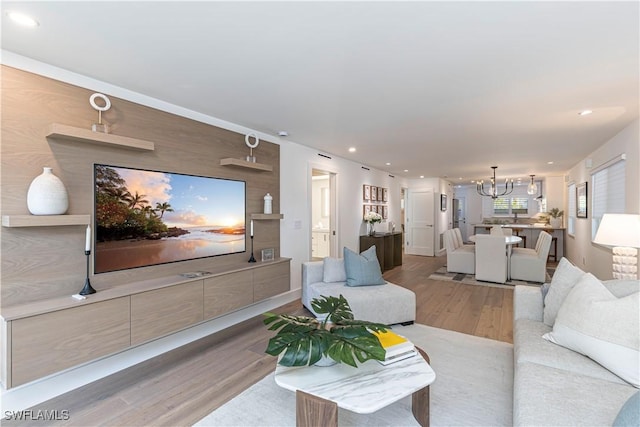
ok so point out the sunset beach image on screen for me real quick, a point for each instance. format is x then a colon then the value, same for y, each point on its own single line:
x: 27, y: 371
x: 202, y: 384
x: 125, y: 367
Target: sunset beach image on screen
x: 146, y: 217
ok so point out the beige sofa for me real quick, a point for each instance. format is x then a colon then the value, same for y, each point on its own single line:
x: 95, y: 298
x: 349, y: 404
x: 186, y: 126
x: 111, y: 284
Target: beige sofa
x: 556, y: 386
x: 389, y: 303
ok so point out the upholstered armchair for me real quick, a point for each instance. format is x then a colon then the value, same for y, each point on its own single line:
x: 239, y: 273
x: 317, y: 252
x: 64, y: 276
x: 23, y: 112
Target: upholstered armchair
x: 491, y: 258
x: 460, y: 257
x: 531, y: 264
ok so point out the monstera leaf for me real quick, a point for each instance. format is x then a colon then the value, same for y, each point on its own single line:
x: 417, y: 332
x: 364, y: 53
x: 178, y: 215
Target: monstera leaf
x: 302, y: 340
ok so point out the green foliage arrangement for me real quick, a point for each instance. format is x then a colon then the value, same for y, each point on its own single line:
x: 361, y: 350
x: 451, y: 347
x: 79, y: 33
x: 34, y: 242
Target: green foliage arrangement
x: 304, y: 340
x: 556, y: 213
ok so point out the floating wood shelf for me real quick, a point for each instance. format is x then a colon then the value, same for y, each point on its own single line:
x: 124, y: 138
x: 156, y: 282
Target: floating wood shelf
x: 75, y: 134
x: 244, y: 164
x: 44, y: 220
x: 267, y: 216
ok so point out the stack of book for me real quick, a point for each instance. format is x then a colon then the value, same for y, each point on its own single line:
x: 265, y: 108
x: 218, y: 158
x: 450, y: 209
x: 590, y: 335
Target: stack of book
x: 396, y: 347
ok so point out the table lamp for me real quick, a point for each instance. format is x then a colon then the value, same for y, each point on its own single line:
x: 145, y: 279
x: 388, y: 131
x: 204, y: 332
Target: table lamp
x: 622, y: 232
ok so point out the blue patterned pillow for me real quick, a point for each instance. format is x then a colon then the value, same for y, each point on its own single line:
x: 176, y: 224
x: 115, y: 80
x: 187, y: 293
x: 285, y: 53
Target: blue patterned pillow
x: 363, y: 269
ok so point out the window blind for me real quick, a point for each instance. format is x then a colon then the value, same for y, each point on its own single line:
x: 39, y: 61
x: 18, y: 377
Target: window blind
x: 608, y: 193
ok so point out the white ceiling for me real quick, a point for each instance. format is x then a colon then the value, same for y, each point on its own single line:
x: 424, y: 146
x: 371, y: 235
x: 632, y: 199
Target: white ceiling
x: 439, y: 88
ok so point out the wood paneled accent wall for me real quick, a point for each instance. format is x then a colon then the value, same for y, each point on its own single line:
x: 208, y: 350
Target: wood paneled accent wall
x: 47, y: 262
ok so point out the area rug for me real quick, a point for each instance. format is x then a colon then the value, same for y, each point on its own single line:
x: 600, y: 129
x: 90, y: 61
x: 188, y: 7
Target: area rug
x: 470, y: 279
x: 473, y: 387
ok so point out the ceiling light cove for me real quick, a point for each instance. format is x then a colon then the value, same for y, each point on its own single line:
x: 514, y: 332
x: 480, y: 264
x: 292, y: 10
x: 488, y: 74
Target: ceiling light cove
x: 22, y: 19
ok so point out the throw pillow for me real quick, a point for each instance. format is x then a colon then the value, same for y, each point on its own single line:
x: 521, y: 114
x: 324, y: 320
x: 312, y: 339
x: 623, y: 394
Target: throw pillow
x: 563, y: 280
x: 592, y: 321
x: 333, y: 270
x: 363, y: 269
x: 629, y: 414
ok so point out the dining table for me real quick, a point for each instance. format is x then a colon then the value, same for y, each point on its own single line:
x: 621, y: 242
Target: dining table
x: 510, y: 241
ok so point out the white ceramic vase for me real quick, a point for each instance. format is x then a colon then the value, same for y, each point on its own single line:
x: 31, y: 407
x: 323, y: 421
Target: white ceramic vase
x: 555, y: 222
x: 47, y: 195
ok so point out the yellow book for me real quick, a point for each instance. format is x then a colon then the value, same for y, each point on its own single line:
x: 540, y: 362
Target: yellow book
x: 389, y: 338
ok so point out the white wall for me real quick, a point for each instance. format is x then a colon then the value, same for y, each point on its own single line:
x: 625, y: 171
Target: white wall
x: 295, y: 186
x: 579, y: 249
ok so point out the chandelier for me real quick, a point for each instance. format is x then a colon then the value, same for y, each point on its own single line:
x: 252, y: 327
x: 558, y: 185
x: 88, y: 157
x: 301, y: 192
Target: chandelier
x: 532, y: 188
x: 493, y: 190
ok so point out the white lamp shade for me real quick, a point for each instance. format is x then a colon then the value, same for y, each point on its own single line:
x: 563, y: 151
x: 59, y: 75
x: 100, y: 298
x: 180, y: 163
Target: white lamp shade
x: 619, y: 230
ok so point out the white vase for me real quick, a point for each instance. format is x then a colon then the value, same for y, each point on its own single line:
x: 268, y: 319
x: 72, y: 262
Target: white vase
x: 47, y: 195
x: 555, y: 222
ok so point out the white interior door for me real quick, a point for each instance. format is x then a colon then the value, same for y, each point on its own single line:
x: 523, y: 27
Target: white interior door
x: 420, y: 222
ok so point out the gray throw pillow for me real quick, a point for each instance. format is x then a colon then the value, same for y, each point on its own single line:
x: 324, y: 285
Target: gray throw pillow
x: 363, y: 269
x: 333, y: 270
x: 563, y: 280
x: 596, y: 323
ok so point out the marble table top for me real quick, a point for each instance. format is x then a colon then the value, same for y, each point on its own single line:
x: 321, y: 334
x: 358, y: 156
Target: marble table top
x: 365, y: 389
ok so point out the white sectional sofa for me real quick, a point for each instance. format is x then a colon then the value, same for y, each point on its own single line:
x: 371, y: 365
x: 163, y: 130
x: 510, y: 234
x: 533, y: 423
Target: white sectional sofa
x: 556, y: 386
x: 389, y: 303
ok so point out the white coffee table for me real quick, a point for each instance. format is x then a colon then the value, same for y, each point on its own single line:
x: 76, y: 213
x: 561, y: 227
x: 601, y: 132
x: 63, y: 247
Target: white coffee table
x: 366, y: 389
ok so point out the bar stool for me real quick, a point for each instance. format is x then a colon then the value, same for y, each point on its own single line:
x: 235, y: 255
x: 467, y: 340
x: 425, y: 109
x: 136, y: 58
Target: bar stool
x: 516, y: 232
x: 554, y: 242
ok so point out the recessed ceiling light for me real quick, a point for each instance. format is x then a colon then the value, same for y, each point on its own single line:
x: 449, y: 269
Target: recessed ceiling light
x: 283, y: 133
x: 406, y: 170
x: 352, y: 149
x: 550, y: 163
x: 22, y: 19
x: 421, y: 176
x: 585, y: 112
x: 388, y: 164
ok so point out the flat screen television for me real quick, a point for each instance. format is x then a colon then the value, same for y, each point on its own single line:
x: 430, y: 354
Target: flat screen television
x: 146, y: 217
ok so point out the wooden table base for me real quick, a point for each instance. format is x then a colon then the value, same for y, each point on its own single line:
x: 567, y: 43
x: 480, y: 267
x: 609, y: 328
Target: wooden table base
x: 314, y: 411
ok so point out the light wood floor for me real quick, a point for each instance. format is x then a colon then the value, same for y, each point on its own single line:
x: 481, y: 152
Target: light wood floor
x: 184, y: 385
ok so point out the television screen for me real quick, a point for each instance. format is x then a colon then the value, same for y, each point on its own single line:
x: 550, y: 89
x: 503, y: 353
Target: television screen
x: 146, y: 217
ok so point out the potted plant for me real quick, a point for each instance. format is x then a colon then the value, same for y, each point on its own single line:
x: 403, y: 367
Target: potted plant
x: 304, y: 340
x: 556, y: 217
x: 371, y: 218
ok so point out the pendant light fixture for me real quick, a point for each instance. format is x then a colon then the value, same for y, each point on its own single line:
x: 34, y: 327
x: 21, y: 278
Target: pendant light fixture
x: 493, y: 190
x: 532, y: 188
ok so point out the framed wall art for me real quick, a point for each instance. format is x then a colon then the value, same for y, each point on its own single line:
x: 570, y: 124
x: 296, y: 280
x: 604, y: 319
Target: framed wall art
x: 385, y: 194
x: 380, y: 193
x: 374, y: 194
x: 366, y: 193
x: 443, y: 202
x: 582, y: 200
x: 267, y: 254
x: 365, y: 210
x: 385, y: 212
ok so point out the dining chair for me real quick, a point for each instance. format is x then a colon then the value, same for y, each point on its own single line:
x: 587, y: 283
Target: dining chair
x: 491, y: 258
x: 458, y: 234
x: 460, y: 257
x: 496, y: 230
x: 531, y: 264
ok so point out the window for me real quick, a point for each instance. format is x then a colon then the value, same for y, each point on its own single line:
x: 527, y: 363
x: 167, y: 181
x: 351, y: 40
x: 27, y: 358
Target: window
x: 511, y: 205
x: 571, y: 221
x: 501, y: 206
x: 608, y: 193
x: 520, y: 205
